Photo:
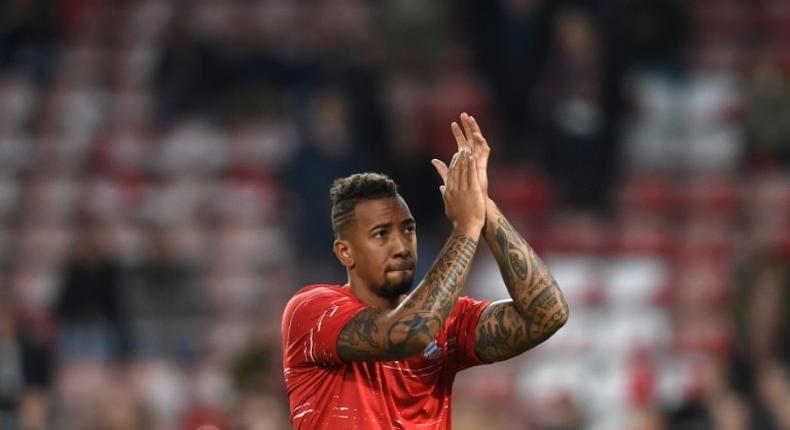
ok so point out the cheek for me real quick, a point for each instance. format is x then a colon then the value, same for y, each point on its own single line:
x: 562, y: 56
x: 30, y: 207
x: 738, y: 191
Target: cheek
x: 371, y: 259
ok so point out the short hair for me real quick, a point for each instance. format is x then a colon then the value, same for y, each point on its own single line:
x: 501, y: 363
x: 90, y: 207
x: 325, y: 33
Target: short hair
x: 346, y: 192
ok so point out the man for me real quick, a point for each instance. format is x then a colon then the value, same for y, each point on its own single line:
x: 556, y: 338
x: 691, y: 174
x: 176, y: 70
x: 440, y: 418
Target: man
x: 365, y: 355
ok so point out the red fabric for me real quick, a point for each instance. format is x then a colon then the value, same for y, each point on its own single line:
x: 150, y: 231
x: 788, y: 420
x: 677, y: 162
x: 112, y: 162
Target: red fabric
x: 326, y: 393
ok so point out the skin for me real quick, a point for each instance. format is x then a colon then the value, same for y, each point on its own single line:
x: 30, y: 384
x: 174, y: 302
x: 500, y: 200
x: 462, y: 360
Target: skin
x: 378, y: 248
x: 537, y: 307
x: 394, y: 328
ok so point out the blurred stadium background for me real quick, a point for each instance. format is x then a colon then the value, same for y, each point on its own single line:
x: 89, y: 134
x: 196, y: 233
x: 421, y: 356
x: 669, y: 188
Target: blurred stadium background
x: 164, y: 168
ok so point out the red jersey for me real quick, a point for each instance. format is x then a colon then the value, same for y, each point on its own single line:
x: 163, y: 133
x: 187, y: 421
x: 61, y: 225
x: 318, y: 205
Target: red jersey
x: 328, y: 393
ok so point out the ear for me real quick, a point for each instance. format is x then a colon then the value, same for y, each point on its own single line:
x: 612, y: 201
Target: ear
x: 343, y: 253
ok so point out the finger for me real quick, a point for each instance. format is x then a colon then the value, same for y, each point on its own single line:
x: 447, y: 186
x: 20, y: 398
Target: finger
x: 441, y: 169
x: 454, y: 160
x: 467, y: 128
x: 452, y: 174
x: 480, y: 142
x: 464, y: 169
x: 473, y: 125
x: 474, y: 180
x: 460, y: 139
x: 477, y: 134
x: 451, y: 171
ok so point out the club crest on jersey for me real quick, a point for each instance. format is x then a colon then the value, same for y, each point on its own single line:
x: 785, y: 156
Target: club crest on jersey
x: 432, y: 351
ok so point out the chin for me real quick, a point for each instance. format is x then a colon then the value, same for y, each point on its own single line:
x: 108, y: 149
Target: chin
x: 393, y: 290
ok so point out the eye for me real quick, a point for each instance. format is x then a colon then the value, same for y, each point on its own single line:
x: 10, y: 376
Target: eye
x: 380, y: 234
x: 410, y: 229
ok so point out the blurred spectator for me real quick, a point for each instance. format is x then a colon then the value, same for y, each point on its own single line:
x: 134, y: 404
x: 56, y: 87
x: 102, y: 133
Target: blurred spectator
x: 25, y: 370
x: 762, y: 311
x: 165, y: 302
x: 12, y: 380
x: 90, y: 311
x: 413, y: 31
x: 655, y: 35
x: 767, y: 116
x: 28, y: 36
x: 570, y: 102
x: 329, y: 151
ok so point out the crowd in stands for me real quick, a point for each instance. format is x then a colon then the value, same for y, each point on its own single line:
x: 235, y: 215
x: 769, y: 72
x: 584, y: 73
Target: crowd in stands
x: 164, y: 176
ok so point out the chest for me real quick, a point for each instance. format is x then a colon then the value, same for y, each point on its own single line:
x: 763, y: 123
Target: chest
x: 429, y: 371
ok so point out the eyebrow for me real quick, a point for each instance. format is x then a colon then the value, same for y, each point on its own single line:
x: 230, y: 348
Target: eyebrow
x: 389, y: 224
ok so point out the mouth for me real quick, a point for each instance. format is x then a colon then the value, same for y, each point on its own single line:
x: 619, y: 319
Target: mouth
x: 401, y: 269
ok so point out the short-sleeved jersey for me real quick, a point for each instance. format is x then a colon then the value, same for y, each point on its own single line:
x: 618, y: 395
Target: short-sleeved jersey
x: 328, y: 393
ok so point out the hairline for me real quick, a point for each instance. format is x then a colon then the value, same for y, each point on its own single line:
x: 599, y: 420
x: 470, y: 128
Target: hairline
x: 355, y: 201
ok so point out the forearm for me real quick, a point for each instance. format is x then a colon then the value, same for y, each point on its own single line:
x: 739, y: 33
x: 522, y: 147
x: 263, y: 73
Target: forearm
x: 375, y: 334
x: 536, y: 295
x: 418, y: 319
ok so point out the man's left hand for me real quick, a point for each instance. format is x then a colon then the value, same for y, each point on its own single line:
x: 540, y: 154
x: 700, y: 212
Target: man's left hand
x: 470, y: 138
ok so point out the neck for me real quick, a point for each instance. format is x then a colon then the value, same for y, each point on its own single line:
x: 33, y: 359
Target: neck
x: 365, y: 294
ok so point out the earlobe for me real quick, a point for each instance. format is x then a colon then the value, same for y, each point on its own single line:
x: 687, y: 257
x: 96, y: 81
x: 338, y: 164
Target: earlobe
x: 343, y: 253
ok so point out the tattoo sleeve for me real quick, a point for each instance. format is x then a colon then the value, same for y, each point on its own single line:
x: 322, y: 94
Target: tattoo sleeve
x: 537, y: 308
x: 388, y: 335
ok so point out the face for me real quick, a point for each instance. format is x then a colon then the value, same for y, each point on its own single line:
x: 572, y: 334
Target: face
x: 382, y: 240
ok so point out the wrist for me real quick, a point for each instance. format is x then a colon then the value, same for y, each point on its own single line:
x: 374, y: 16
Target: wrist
x: 472, y: 230
x: 490, y: 206
x: 491, y: 211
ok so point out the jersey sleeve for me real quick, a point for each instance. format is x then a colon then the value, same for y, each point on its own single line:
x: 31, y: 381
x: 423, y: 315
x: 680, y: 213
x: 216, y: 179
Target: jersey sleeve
x: 461, y: 332
x: 312, y: 323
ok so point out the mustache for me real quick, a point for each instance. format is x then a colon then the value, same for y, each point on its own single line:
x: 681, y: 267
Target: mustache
x: 406, y: 265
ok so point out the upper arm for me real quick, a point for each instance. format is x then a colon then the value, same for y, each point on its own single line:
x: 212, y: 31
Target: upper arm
x: 361, y: 338
x: 502, y: 332
x: 312, y: 323
x: 380, y: 335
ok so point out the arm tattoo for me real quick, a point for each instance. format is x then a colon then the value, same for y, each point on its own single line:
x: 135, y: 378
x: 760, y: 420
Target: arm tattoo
x: 499, y: 332
x: 359, y: 335
x: 537, y: 309
x: 386, y: 335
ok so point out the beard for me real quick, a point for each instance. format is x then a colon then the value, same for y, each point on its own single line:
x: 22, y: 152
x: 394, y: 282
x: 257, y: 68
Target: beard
x: 393, y: 290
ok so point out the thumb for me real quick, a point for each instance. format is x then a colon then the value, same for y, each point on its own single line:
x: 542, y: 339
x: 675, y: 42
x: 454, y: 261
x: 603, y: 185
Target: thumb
x: 441, y: 169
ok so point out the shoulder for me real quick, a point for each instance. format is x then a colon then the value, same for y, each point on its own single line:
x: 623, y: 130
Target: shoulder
x: 320, y: 291
x: 318, y: 295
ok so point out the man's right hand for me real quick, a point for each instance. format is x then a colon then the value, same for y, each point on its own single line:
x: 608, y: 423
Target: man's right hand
x: 464, y: 202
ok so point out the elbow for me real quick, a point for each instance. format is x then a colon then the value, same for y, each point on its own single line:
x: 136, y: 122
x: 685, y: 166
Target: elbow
x: 563, y: 313
x: 559, y: 317
x: 412, y: 334
x: 557, y: 320
x: 420, y: 344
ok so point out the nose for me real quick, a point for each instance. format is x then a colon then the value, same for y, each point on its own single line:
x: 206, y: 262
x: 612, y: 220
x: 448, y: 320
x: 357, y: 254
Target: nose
x: 401, y: 246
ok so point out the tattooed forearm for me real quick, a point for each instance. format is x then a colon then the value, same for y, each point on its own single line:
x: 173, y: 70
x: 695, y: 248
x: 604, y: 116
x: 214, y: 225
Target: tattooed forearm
x: 510, y: 246
x: 442, y: 284
x: 374, y: 334
x: 537, y: 309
